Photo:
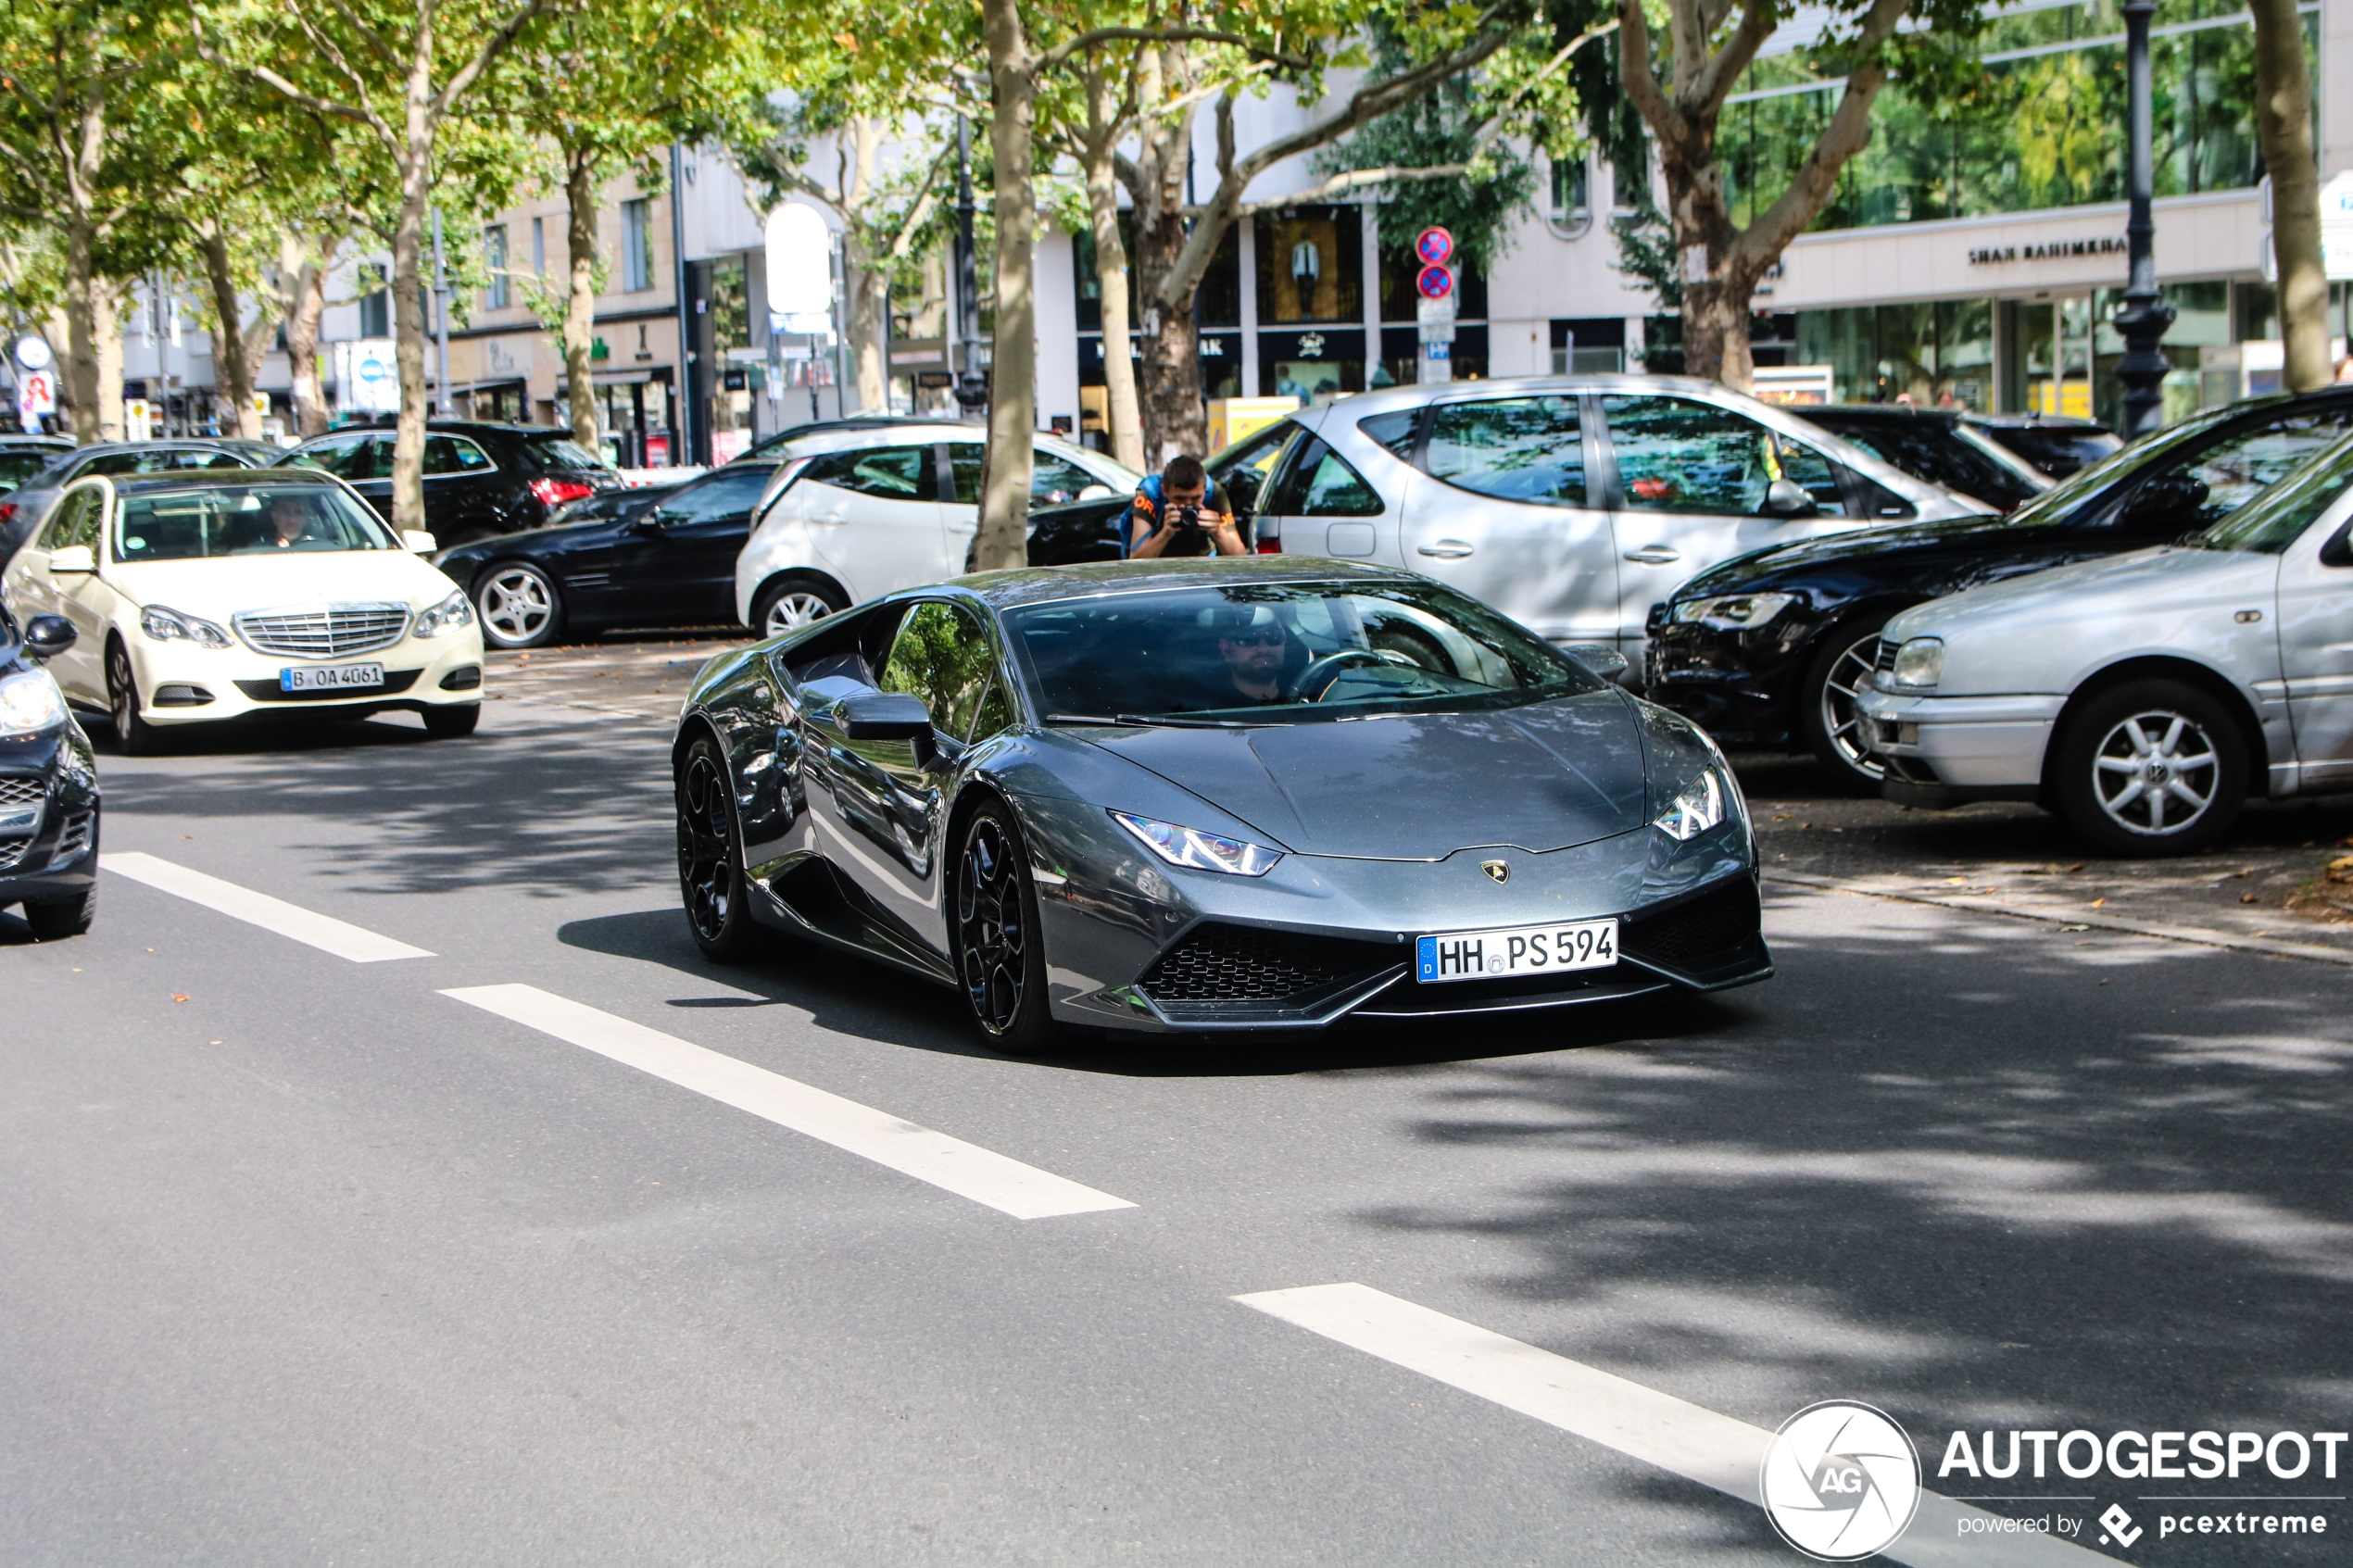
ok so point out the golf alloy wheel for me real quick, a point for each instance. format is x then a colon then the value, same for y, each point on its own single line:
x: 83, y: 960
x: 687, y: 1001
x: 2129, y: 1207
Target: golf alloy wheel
x: 517, y: 607
x: 2156, y: 775
x: 1831, y: 723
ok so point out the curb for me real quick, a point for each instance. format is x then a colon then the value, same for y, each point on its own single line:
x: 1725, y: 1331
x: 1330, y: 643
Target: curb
x: 2093, y: 919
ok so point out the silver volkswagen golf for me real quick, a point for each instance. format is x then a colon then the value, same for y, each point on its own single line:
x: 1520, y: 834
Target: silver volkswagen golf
x: 1570, y: 503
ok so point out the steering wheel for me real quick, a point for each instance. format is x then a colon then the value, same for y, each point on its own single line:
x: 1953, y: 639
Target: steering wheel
x: 1317, y: 678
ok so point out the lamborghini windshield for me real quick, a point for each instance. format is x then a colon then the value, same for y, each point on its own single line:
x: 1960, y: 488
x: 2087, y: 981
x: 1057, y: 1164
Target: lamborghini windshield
x: 1282, y: 653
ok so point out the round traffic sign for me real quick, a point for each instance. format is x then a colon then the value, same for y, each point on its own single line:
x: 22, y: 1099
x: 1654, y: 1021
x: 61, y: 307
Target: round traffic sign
x: 32, y: 352
x: 1435, y: 246
x: 1435, y: 281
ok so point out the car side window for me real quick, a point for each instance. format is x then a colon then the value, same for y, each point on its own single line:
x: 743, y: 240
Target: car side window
x: 119, y: 462
x: 1515, y: 449
x: 1052, y: 481
x: 890, y: 473
x: 2199, y: 489
x: 732, y: 493
x: 345, y: 457
x: 66, y: 521
x: 1242, y: 470
x: 455, y: 454
x: 1319, y: 483
x: 1395, y: 430
x: 941, y: 655
x: 1679, y: 455
x: 194, y: 459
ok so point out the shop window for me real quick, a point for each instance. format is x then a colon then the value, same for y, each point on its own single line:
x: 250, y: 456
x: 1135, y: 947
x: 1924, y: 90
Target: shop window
x: 1400, y: 300
x: 1311, y: 265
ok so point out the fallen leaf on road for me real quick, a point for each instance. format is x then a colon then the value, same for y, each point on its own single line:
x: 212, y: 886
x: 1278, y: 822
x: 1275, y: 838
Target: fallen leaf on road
x: 2075, y: 928
x: 2247, y: 897
x: 2097, y: 902
x: 179, y: 998
x: 1955, y: 882
x: 2076, y: 867
x: 2341, y: 870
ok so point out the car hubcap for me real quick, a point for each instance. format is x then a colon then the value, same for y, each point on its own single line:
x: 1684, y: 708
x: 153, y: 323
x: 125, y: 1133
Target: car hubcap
x: 793, y: 611
x: 1841, y: 722
x: 706, y: 857
x: 118, y: 683
x: 2156, y: 775
x: 989, y: 928
x: 516, y: 606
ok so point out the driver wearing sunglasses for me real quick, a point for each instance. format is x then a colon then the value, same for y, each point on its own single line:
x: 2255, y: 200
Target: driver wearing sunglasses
x: 1253, y: 652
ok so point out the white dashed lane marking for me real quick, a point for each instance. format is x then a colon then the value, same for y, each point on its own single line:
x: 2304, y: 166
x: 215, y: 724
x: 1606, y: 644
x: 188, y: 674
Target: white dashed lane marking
x: 323, y: 932
x: 1686, y: 1439
x: 966, y: 1170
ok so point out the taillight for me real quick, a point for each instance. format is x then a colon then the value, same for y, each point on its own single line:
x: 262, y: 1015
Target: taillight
x: 1270, y: 536
x: 556, y: 491
x: 8, y: 510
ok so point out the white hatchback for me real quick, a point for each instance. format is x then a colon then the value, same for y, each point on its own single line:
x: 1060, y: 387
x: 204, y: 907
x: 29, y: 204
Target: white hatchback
x: 2143, y: 697
x: 854, y: 515
x: 268, y: 591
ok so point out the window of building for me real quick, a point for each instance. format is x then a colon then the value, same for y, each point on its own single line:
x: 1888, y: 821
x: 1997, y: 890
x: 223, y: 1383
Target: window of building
x: 1311, y: 265
x: 1571, y: 214
x: 375, y: 305
x: 500, y: 294
x: 637, y: 245
x: 538, y: 247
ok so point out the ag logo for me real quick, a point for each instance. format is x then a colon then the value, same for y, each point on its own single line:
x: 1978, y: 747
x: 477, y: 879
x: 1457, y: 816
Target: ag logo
x: 1840, y: 1481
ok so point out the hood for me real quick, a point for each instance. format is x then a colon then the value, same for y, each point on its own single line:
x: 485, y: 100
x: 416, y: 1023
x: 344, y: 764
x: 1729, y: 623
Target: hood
x: 1416, y: 786
x: 1867, y: 546
x: 219, y: 588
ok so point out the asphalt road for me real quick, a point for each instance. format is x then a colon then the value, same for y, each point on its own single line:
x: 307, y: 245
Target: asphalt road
x: 311, y: 1261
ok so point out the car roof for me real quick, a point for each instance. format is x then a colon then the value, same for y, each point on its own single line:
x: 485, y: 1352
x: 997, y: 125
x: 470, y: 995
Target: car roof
x: 1041, y: 584
x: 1872, y: 413
x: 212, y: 479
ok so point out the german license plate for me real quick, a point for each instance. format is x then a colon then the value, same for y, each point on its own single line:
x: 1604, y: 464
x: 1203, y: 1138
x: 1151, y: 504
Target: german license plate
x: 1515, y: 951
x: 332, y: 678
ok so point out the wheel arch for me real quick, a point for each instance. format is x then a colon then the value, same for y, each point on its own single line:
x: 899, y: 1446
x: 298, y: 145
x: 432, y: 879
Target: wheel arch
x: 2165, y: 667
x: 694, y: 727
x: 1837, y: 624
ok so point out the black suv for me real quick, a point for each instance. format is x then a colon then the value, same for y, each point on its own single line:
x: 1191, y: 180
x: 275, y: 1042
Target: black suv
x: 1766, y: 648
x: 481, y: 479
x: 1942, y: 445
x: 48, y: 786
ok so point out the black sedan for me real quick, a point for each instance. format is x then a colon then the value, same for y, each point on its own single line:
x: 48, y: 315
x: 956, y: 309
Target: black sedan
x: 1223, y: 794
x: 2052, y: 443
x: 48, y: 786
x: 1942, y: 445
x: 21, y: 456
x: 1765, y: 650
x: 670, y: 564
x: 481, y: 479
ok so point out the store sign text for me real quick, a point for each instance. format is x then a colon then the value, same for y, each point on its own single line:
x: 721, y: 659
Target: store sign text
x: 2054, y: 251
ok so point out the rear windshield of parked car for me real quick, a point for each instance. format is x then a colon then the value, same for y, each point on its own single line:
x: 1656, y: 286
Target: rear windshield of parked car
x: 566, y: 456
x: 1283, y: 653
x: 2272, y: 520
x: 244, y: 520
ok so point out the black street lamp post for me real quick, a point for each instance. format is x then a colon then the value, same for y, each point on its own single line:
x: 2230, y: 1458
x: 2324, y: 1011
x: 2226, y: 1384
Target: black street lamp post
x: 972, y: 387
x: 2144, y: 317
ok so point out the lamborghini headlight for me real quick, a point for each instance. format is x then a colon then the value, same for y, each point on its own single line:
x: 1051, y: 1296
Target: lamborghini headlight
x: 1200, y: 851
x: 29, y: 702
x: 167, y: 625
x: 449, y: 615
x: 1744, y: 611
x: 1920, y: 664
x: 1710, y: 799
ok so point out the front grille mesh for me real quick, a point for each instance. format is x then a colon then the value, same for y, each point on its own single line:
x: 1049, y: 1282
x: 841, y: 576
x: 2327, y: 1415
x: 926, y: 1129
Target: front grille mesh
x: 18, y: 790
x: 333, y: 631
x: 12, y: 850
x: 1714, y: 931
x: 1235, y: 963
x: 76, y: 836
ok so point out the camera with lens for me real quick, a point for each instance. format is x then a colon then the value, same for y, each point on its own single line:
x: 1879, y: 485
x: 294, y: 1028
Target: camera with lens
x: 1188, y: 518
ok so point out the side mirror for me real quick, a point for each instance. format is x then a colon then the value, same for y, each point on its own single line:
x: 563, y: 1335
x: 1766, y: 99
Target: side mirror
x: 1600, y: 657
x: 873, y: 715
x: 1786, y: 497
x: 418, y: 542
x: 46, y: 637
x: 2338, y: 551
x: 77, y: 560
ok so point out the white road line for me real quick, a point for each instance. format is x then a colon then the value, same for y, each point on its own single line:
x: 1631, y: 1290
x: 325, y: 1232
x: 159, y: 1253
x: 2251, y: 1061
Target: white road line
x: 966, y: 1170
x: 1656, y: 1428
x: 323, y: 932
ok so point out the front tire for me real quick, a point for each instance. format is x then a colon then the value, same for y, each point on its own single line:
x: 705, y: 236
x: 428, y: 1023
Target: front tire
x: 790, y: 603
x: 453, y: 720
x: 711, y: 873
x: 1826, y: 711
x: 1001, y: 952
x: 519, y: 606
x: 2152, y: 768
x: 55, y: 919
x: 132, y: 732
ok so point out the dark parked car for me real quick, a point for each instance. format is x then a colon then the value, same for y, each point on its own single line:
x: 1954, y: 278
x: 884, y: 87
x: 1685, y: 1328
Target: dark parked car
x: 670, y: 564
x: 48, y: 786
x: 2057, y: 445
x: 23, y: 508
x: 481, y: 479
x: 1765, y: 650
x: 1942, y: 445
x: 611, y: 505
x: 21, y: 456
x: 772, y: 446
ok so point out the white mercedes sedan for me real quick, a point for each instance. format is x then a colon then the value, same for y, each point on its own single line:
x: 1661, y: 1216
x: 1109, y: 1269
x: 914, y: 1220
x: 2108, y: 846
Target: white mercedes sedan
x: 235, y: 596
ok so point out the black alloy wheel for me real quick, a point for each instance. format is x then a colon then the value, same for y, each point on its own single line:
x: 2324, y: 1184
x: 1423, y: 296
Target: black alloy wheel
x: 999, y: 955
x: 1826, y: 710
x: 2152, y: 768
x: 711, y: 873
x: 132, y: 732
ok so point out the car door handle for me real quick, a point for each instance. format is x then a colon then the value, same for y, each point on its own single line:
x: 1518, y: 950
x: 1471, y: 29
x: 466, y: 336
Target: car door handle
x: 1655, y: 554
x: 1446, y: 549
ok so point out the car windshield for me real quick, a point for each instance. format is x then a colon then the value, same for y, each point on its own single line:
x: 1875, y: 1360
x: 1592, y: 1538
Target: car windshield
x: 244, y: 520
x: 2057, y: 505
x: 2270, y: 522
x: 1257, y: 653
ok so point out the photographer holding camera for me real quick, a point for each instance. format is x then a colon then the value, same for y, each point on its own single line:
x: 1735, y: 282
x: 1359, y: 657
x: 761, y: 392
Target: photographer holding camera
x: 1179, y: 512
